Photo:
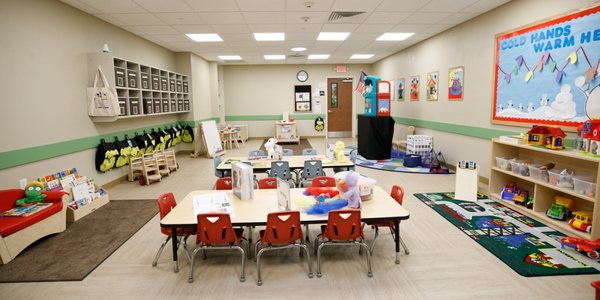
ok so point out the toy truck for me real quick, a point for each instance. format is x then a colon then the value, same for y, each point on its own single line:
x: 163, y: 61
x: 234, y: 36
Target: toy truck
x: 582, y: 220
x: 561, y: 209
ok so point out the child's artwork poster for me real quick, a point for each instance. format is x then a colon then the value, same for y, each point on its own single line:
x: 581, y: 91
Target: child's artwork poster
x: 456, y: 83
x: 414, y: 88
x: 432, y: 86
x: 400, y: 92
x: 548, y: 73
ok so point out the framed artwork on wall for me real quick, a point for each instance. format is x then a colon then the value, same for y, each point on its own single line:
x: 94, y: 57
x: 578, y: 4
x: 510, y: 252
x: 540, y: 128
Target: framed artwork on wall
x: 400, y: 89
x: 547, y: 72
x: 432, y: 85
x: 456, y: 83
x: 302, y: 98
x: 414, y: 88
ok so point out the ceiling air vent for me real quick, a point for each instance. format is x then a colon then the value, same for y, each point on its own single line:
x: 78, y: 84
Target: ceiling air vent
x: 338, y: 15
x: 296, y: 56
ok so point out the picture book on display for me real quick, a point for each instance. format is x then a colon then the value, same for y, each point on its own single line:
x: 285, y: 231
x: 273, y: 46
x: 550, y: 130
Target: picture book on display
x: 24, y: 211
x: 81, y: 189
x: 242, y: 177
x: 212, y: 203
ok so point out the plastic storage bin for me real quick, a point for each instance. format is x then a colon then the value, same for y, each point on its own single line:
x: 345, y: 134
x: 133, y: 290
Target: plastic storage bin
x: 585, y: 185
x: 503, y: 163
x: 564, y: 180
x: 520, y: 167
x: 539, y: 172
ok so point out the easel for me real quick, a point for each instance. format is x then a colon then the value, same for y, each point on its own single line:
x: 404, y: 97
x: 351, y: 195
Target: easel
x: 436, y: 162
x: 202, y: 133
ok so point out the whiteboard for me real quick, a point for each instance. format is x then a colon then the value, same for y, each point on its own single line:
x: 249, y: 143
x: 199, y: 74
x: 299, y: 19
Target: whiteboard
x: 211, y: 137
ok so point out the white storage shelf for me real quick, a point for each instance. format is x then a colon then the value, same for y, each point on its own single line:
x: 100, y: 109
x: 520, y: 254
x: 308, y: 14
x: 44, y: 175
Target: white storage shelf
x: 142, y: 90
x: 542, y: 191
x: 285, y: 132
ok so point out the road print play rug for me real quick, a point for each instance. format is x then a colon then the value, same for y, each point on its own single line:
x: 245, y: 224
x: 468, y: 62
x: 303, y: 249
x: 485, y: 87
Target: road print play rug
x: 394, y: 164
x: 527, y: 246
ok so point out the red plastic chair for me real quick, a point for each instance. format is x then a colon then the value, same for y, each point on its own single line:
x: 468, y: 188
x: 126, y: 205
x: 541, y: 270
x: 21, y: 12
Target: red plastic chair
x: 398, y: 195
x: 267, y: 183
x: 224, y: 183
x: 343, y: 228
x: 216, y: 232
x: 323, y: 181
x: 596, y: 285
x: 283, y: 230
x: 166, y: 202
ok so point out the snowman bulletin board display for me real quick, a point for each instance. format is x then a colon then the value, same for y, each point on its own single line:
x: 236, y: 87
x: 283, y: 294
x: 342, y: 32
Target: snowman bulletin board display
x: 547, y: 73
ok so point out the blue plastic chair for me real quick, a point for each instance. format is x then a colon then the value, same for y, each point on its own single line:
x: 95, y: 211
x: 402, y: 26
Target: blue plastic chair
x: 312, y: 168
x: 254, y: 153
x: 282, y: 170
x: 309, y: 151
x: 288, y: 152
x: 217, y: 161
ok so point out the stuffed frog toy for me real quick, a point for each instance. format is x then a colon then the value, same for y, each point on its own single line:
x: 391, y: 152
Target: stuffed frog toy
x: 33, y: 194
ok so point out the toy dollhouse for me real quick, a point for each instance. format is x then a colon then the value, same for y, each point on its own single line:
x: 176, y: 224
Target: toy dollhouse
x: 551, y: 137
x: 591, y: 136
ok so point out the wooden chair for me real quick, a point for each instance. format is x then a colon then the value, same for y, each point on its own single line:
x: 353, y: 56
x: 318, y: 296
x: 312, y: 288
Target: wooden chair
x: 323, y: 181
x: 402, y: 143
x: 150, y: 169
x: 171, y: 160
x: 343, y: 228
x: 163, y: 166
x: 135, y: 168
x: 267, y: 183
x: 215, y: 231
x: 166, y: 202
x: 283, y: 230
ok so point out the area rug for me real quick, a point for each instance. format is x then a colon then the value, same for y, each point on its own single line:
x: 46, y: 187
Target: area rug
x: 394, y: 164
x: 527, y: 246
x: 297, y: 148
x: 73, y: 254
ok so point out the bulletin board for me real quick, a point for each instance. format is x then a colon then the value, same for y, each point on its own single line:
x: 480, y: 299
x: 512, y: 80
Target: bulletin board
x: 302, y: 98
x: 547, y: 73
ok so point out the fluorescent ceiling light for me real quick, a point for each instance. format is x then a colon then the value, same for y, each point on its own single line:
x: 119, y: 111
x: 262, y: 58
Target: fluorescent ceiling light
x: 298, y: 49
x: 230, y: 57
x: 318, y: 56
x: 274, y: 57
x: 394, y: 36
x: 361, y: 56
x: 269, y: 36
x: 204, y: 37
x: 333, y: 36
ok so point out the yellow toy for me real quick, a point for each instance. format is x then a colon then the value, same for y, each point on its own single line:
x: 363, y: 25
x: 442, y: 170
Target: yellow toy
x: 339, y: 151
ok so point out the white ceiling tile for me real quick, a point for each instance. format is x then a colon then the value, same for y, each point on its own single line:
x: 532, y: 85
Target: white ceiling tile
x: 134, y: 30
x: 222, y: 18
x: 138, y: 19
x: 426, y: 18
x: 157, y: 29
x: 161, y: 6
x: 172, y: 37
x: 180, y: 18
x: 193, y: 29
x: 212, y: 5
x: 82, y: 6
x: 387, y: 17
x: 300, y: 17
x: 270, y: 47
x: 238, y: 43
x: 265, y: 27
x: 298, y: 5
x: 322, y: 48
x: 339, y: 27
x: 446, y: 5
x: 380, y: 28
x: 264, y: 17
x: 484, y: 5
x: 355, y: 5
x: 246, y: 37
x: 117, y: 6
x: 360, y: 37
x: 110, y: 19
x: 230, y: 29
x: 301, y: 36
x: 303, y: 27
x: 409, y: 27
x: 261, y: 5
x: 458, y: 18
x: 437, y: 28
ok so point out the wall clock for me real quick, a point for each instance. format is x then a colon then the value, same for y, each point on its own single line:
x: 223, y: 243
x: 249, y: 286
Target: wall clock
x: 302, y: 76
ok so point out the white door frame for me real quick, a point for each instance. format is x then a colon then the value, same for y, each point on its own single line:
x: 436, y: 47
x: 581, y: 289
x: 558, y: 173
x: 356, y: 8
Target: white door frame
x: 326, y: 102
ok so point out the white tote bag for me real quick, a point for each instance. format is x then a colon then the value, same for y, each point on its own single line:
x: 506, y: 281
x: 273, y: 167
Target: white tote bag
x: 102, y: 101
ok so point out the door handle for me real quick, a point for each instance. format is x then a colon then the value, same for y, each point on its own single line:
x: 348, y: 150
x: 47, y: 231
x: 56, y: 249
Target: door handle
x: 329, y: 111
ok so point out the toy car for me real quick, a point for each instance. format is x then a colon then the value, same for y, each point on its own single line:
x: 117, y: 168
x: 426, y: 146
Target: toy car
x: 589, y: 248
x: 521, y: 197
x: 509, y: 191
x: 561, y: 209
x: 582, y: 220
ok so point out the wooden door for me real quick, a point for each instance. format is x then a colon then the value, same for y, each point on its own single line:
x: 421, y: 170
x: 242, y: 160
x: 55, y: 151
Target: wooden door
x: 339, y: 107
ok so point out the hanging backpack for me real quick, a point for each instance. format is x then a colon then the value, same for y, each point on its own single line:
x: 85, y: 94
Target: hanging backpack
x: 188, y: 134
x: 142, y: 142
x: 151, y: 142
x: 106, y: 156
x: 166, y: 138
x: 319, y: 124
x: 159, y: 142
x: 124, y: 149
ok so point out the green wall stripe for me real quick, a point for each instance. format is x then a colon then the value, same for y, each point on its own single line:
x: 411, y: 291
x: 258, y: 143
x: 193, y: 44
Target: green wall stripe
x: 273, y: 117
x: 478, y: 132
x: 23, y: 156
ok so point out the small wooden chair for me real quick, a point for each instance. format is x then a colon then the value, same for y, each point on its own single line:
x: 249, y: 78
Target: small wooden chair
x: 150, y: 169
x: 163, y: 166
x: 402, y: 143
x: 171, y: 160
x: 135, y: 168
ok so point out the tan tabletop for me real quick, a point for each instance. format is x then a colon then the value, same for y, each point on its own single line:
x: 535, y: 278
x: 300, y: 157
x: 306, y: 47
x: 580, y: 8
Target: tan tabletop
x: 295, y: 161
x: 253, y: 212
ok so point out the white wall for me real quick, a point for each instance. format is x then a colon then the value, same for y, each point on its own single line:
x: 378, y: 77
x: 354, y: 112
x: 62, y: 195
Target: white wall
x: 470, y: 44
x: 44, y: 78
x: 269, y: 90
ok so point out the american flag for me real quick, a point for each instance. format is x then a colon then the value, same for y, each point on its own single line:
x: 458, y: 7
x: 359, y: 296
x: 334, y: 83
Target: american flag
x: 360, y: 87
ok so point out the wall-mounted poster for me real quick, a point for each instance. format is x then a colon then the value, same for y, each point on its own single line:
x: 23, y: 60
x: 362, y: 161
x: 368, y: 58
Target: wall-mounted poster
x: 548, y: 72
x: 432, y: 86
x: 302, y: 98
x: 400, y: 91
x: 414, y: 88
x: 456, y: 83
